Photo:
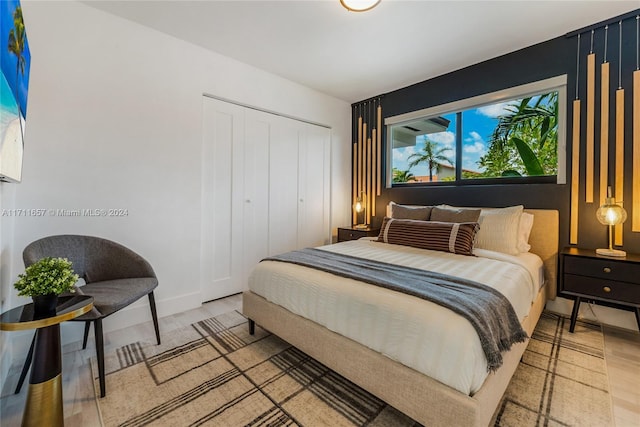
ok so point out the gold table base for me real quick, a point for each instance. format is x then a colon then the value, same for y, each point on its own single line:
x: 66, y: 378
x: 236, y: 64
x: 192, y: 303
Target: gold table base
x: 44, y: 404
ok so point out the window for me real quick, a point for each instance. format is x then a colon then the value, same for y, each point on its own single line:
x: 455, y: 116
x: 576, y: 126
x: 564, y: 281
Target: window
x: 511, y: 136
x: 424, y: 150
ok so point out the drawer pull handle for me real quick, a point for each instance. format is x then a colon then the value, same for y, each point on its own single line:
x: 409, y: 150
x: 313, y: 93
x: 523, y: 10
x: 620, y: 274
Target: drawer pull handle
x: 607, y: 270
x: 606, y: 289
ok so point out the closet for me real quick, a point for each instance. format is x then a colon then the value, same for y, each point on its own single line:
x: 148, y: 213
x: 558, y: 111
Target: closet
x: 265, y: 190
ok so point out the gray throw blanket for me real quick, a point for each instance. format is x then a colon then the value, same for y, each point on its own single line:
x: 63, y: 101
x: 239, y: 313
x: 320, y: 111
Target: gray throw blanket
x: 490, y: 313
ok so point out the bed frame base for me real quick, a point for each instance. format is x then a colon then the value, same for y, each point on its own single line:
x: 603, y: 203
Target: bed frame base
x: 424, y: 399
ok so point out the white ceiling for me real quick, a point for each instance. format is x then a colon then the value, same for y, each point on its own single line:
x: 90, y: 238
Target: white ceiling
x: 354, y: 56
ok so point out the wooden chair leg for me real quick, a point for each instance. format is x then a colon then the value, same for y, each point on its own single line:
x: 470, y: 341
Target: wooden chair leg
x: 87, y: 325
x: 154, y: 315
x: 252, y: 327
x: 97, y: 326
x: 26, y: 366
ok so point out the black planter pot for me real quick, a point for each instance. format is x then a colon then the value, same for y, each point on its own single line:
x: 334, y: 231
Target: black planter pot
x: 44, y: 305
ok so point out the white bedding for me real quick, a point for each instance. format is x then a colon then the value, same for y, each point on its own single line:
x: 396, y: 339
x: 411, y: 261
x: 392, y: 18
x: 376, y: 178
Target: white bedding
x: 415, y: 332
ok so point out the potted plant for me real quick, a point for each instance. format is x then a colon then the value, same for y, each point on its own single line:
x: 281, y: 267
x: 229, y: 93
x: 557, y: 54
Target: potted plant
x: 44, y: 280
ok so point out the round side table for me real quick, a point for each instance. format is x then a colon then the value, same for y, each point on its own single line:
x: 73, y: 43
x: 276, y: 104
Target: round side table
x: 44, y: 398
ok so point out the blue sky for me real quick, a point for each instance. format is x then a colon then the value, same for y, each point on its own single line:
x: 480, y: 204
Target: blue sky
x: 477, y: 126
x: 8, y: 61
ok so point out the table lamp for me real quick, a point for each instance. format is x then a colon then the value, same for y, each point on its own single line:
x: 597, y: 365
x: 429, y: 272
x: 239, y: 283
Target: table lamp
x: 611, y: 214
x: 360, y: 208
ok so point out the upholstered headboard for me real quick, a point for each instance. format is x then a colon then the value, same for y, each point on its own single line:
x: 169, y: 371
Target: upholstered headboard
x: 544, y: 240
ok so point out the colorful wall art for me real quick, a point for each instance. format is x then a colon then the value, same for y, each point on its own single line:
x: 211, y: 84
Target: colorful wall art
x: 15, y: 60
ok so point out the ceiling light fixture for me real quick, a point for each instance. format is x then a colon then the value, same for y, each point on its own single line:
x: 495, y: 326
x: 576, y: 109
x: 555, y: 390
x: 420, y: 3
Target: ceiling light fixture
x: 359, y: 5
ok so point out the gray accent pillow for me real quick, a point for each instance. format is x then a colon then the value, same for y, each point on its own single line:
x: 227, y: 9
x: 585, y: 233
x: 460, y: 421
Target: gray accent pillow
x: 420, y: 213
x: 453, y: 214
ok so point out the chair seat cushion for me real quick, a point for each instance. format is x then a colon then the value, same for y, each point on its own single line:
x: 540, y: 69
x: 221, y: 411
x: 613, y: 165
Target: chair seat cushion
x: 110, y: 296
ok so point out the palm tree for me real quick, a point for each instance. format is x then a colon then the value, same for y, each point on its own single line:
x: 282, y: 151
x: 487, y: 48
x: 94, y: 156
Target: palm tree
x: 432, y: 155
x: 536, y: 123
x: 402, y: 176
x: 15, y: 45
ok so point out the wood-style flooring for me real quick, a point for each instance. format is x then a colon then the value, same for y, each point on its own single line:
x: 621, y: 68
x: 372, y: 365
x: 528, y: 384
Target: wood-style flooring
x: 622, y: 353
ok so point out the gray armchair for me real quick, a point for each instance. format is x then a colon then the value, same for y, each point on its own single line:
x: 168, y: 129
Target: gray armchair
x: 115, y: 277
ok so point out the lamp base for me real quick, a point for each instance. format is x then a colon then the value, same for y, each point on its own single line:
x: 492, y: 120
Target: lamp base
x: 611, y: 252
x: 361, y: 226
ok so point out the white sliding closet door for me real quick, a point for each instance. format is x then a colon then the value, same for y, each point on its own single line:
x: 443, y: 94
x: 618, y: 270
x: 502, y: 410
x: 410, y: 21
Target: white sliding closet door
x: 258, y: 129
x: 222, y: 174
x: 313, y: 187
x: 265, y: 182
x: 283, y: 187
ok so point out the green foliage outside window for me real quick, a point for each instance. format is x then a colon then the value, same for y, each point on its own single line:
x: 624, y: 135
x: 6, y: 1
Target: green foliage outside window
x: 525, y: 141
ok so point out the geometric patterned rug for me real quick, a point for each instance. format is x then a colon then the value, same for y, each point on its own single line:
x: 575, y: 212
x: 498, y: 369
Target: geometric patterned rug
x: 214, y: 373
x: 561, y: 380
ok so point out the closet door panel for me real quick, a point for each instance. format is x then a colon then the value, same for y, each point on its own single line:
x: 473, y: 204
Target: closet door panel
x: 221, y: 251
x: 283, y: 186
x: 313, y: 187
x: 258, y: 128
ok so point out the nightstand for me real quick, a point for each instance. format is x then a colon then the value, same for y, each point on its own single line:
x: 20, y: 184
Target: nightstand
x: 585, y: 275
x: 352, y: 233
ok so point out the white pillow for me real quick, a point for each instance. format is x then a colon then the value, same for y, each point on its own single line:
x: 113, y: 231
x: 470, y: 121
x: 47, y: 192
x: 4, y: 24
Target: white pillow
x: 524, y: 230
x: 499, y: 229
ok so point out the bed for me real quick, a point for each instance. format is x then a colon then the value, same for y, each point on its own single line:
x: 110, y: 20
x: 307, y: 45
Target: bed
x: 410, y: 389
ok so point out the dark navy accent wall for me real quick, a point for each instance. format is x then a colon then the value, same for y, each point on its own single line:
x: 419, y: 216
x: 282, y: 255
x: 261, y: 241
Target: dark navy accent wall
x: 548, y: 59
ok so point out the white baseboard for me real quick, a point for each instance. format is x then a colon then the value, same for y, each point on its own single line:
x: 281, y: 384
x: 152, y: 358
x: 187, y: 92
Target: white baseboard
x: 139, y: 312
x: 599, y: 313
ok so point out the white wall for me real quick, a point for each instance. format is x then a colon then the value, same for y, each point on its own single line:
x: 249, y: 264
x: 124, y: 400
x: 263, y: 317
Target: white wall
x: 114, y: 121
x: 7, y: 192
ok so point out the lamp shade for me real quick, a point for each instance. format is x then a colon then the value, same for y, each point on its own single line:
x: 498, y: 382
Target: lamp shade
x: 611, y: 213
x: 358, y: 207
x: 359, y: 5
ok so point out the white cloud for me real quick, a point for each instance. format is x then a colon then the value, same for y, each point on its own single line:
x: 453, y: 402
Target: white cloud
x: 446, y: 138
x: 402, y: 154
x: 477, y: 147
x: 474, y: 144
x: 494, y: 110
x: 474, y: 136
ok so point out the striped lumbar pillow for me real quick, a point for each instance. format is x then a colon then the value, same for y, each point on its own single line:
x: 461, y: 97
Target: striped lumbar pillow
x: 451, y: 237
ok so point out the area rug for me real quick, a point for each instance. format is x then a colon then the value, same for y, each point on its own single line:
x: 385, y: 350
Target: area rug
x: 214, y: 373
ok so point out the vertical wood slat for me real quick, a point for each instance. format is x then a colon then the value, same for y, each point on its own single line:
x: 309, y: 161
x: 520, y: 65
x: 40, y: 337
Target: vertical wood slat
x: 359, y: 156
x: 363, y: 175
x: 374, y: 151
x: 354, y: 179
x: 575, y: 173
x: 635, y: 200
x: 369, y: 192
x: 619, y: 192
x: 604, y: 132
x: 591, y: 84
x: 364, y: 172
x: 379, y: 147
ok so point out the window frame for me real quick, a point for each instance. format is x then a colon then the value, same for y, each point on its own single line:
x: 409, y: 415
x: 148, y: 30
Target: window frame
x: 553, y: 84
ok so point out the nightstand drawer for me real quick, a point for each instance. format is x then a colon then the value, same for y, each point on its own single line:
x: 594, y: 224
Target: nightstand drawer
x: 345, y: 233
x: 603, y: 268
x: 606, y: 289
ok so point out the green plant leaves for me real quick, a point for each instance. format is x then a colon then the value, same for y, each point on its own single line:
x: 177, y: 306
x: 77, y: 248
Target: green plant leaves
x: 46, y: 276
x: 529, y: 158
